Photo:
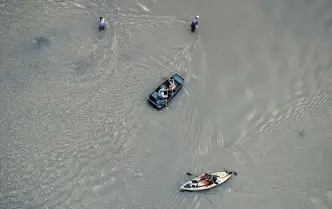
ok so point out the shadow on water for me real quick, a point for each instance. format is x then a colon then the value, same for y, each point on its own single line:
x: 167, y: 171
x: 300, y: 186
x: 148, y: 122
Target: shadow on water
x: 301, y: 134
x: 23, y: 61
x: 102, y: 41
x: 37, y: 43
x: 43, y: 41
x: 81, y: 66
x: 40, y: 42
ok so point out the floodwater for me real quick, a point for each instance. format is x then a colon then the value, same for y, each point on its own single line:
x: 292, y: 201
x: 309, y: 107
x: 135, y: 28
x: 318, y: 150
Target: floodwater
x: 77, y: 132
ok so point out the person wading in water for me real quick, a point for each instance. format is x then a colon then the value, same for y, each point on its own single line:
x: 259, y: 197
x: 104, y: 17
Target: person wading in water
x: 101, y: 23
x: 194, y: 23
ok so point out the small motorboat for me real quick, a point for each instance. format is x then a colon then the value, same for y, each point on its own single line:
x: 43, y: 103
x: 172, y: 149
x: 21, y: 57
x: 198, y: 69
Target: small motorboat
x: 207, y: 181
x: 160, y: 103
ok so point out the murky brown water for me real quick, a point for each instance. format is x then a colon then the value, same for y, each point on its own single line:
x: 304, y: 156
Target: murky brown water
x: 77, y: 132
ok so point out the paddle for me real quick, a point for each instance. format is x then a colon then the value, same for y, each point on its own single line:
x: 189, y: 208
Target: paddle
x: 208, y: 199
x: 189, y: 174
x: 230, y: 172
x: 166, y: 78
x: 166, y: 97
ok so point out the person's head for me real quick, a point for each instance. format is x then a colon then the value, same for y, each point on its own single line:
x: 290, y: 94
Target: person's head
x: 100, y: 18
x: 197, y: 17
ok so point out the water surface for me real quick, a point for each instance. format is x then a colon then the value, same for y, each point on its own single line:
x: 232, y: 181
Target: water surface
x: 76, y: 131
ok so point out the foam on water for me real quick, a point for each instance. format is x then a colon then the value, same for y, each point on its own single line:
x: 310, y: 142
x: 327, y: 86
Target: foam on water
x: 143, y: 7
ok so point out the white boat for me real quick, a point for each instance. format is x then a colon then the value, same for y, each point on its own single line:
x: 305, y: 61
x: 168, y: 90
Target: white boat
x: 197, y: 184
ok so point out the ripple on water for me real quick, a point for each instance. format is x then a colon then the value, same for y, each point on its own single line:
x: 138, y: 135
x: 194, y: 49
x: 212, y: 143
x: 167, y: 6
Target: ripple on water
x: 305, y: 77
x: 72, y: 144
x: 151, y: 164
x: 282, y: 119
x: 127, y: 90
x: 66, y: 162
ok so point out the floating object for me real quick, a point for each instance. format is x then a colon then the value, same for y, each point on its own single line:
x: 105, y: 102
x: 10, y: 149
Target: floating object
x: 197, y: 184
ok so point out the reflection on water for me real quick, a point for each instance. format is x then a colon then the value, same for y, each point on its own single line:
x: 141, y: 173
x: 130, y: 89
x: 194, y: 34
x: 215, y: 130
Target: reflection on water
x: 77, y: 131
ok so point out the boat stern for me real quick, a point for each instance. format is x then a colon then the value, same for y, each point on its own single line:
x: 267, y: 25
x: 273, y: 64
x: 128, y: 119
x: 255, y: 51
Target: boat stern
x: 186, y: 187
x: 153, y: 99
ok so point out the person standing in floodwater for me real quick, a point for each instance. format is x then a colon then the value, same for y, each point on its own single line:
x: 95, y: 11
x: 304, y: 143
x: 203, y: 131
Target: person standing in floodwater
x: 101, y: 23
x: 194, y: 23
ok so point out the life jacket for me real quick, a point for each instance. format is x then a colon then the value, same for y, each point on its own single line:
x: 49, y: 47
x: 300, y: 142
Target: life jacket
x: 206, y: 182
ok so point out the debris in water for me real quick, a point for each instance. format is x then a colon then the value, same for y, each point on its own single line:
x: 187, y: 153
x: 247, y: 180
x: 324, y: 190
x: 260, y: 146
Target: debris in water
x: 301, y: 134
x: 143, y: 7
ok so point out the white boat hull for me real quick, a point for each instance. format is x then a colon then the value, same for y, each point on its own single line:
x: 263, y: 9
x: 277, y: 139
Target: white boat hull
x: 222, y: 177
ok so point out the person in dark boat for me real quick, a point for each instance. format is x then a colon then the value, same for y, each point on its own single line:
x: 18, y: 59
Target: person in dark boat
x: 161, y: 94
x: 194, y: 24
x: 101, y: 23
x: 172, y: 85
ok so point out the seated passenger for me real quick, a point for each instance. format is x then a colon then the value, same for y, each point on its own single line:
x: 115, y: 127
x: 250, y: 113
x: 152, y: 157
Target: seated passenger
x: 172, y: 85
x: 207, y: 176
x: 204, y: 176
x: 161, y: 94
x: 101, y: 23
